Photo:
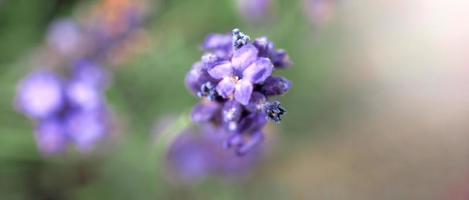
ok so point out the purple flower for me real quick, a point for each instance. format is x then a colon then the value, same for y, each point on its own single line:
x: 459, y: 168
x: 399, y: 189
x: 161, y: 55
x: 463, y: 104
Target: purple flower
x: 90, y: 72
x: 234, y: 80
x: 276, y: 86
x: 64, y: 36
x: 205, y: 111
x: 279, y: 57
x: 189, y: 156
x: 67, y: 111
x: 83, y: 95
x: 254, y: 10
x: 216, y: 42
x: 86, y: 128
x: 197, y: 154
x: 237, y: 78
x: 40, y: 94
x: 51, y: 137
x: 70, y: 106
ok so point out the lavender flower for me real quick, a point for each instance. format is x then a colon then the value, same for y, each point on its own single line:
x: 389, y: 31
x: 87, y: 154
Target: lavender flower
x: 67, y: 111
x: 40, y: 94
x: 234, y: 79
x: 51, y: 137
x: 70, y: 108
x: 64, y: 36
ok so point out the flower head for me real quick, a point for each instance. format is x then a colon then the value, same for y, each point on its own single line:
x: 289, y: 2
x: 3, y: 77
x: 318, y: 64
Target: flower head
x: 67, y: 111
x: 234, y: 80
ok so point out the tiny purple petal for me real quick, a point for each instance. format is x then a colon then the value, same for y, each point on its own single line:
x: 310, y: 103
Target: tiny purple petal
x: 280, y: 59
x: 215, y: 41
x: 86, y: 129
x: 83, y: 95
x: 204, y: 111
x: 196, y: 77
x: 231, y: 111
x: 51, y: 137
x: 253, y: 122
x: 90, y: 72
x: 40, y: 94
x: 64, y: 36
x: 243, y: 57
x: 226, y: 87
x: 243, y: 91
x: 275, y: 86
x: 252, y: 143
x: 234, y: 140
x: 265, y: 47
x: 256, y: 103
x: 258, y: 71
x: 221, y: 70
x: 209, y: 60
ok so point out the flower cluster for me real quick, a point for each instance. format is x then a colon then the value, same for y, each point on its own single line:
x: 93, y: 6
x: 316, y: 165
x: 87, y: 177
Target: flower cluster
x: 234, y: 80
x: 67, y: 111
x: 66, y: 99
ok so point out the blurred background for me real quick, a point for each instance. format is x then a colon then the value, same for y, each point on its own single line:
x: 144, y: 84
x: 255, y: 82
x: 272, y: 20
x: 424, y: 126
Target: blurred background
x: 379, y: 107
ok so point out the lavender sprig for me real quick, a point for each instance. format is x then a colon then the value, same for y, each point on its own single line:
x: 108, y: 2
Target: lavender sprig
x: 234, y: 81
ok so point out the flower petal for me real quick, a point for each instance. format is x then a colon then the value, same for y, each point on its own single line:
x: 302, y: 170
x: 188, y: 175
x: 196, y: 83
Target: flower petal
x: 215, y: 41
x: 221, y: 70
x: 84, y: 95
x: 40, y: 95
x: 275, y: 86
x: 87, y: 129
x: 233, y: 140
x: 258, y: 71
x: 226, y: 87
x: 231, y: 111
x: 243, y: 57
x: 204, y: 111
x: 265, y: 46
x: 251, y: 144
x: 243, y: 92
x: 196, y: 77
x: 51, y: 137
x: 256, y: 102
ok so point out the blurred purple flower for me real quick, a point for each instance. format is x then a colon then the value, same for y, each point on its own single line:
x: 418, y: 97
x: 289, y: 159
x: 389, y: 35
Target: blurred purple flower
x: 67, y: 111
x: 86, y: 128
x: 40, y: 94
x: 234, y: 79
x: 237, y: 78
x: 73, y: 110
x: 254, y: 10
x: 64, y: 36
x: 197, y: 154
x: 51, y: 137
x: 90, y: 72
